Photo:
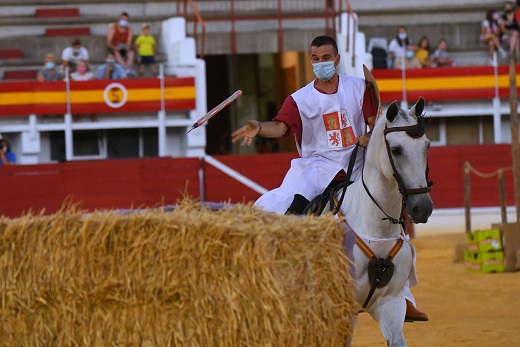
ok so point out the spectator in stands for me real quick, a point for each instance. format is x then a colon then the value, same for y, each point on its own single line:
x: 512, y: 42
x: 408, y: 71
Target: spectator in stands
x: 72, y: 54
x: 401, y: 50
x: 510, y: 29
x: 145, y: 45
x: 490, y: 35
x: 82, y: 72
x: 441, y: 56
x: 423, y: 52
x: 111, y: 69
x: 6, y: 156
x: 119, y: 39
x: 49, y: 71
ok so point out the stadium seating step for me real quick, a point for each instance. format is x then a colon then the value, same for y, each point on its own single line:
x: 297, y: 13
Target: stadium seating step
x: 56, y: 12
x: 12, y: 53
x: 20, y: 75
x: 67, y: 31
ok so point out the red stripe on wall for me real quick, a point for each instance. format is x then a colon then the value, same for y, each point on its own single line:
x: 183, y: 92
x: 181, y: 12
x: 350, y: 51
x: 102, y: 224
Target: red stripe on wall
x: 442, y: 72
x: 13, y: 87
x: 107, y: 184
x: 16, y: 110
x: 149, y: 182
x: 134, y: 83
x: 441, y: 95
x: 134, y: 106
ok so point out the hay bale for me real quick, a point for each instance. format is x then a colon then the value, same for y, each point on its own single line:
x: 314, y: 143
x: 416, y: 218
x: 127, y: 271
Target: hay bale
x: 190, y: 277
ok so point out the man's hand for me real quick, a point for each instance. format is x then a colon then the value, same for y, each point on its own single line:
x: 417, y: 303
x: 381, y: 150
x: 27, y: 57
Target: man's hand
x: 363, y: 140
x: 246, y: 133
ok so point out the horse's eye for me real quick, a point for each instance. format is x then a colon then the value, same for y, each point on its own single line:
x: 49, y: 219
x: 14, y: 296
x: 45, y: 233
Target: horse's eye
x: 397, y: 150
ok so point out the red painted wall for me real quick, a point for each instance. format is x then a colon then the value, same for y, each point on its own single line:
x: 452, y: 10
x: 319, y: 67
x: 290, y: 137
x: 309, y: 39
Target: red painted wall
x: 107, y: 184
x: 133, y: 183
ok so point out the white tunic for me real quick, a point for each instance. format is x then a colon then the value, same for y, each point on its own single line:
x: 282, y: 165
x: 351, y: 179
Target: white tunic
x: 330, y: 125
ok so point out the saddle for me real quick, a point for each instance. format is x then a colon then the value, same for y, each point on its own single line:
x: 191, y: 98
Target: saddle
x: 318, y: 203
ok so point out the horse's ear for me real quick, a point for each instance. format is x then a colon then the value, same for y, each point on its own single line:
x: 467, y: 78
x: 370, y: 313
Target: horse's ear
x: 418, y: 108
x: 392, y: 111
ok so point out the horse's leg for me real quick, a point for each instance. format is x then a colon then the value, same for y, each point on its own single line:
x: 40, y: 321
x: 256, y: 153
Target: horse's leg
x: 390, y: 317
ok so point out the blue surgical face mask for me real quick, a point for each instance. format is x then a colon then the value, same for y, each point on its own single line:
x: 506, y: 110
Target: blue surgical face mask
x: 324, y: 70
x: 123, y: 22
x: 402, y: 36
x: 49, y: 65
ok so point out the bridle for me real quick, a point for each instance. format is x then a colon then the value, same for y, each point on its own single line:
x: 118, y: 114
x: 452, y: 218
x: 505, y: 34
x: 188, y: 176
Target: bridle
x: 414, y: 131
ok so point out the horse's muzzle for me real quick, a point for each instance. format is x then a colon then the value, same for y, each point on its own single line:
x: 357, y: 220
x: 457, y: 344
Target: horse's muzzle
x: 419, y: 207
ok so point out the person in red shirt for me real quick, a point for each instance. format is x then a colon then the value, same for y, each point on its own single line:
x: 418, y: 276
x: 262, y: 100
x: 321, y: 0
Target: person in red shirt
x: 119, y: 39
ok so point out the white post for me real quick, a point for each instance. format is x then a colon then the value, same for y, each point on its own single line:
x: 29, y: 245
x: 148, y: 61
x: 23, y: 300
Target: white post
x: 162, y: 116
x: 67, y: 87
x: 69, y: 141
x: 404, y: 102
x: 497, y: 118
x: 32, y: 126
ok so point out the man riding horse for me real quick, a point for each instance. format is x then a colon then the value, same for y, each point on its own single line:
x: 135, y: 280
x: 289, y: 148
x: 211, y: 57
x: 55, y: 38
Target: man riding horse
x: 327, y: 117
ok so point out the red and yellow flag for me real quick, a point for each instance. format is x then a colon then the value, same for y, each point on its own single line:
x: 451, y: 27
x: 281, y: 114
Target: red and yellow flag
x: 103, y: 96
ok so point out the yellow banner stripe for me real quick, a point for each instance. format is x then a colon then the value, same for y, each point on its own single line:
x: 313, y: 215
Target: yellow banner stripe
x: 95, y: 96
x: 18, y: 98
x: 443, y: 83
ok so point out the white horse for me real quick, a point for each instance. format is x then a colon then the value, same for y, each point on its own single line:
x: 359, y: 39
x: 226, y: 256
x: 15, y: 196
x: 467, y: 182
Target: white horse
x: 394, y: 173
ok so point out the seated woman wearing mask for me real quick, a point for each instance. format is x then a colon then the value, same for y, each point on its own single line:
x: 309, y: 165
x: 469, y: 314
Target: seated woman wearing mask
x: 49, y: 71
x: 401, y: 50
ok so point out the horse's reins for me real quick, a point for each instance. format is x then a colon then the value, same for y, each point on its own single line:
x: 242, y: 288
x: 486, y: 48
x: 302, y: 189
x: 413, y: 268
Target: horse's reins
x: 350, y: 168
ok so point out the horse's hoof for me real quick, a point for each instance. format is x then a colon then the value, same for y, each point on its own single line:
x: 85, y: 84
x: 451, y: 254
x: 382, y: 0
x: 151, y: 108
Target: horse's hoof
x: 413, y: 314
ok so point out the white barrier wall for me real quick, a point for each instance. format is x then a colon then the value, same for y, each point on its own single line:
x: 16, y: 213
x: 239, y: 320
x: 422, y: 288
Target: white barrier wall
x: 182, y: 61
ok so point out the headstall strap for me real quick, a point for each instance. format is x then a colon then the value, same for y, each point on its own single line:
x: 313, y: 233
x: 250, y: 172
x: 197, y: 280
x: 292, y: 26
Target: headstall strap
x: 414, y: 131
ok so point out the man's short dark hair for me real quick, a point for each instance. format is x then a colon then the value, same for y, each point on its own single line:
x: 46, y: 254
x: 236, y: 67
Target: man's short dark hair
x: 124, y: 14
x: 325, y: 40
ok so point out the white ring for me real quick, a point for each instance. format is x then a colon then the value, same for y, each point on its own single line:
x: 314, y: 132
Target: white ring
x: 118, y: 103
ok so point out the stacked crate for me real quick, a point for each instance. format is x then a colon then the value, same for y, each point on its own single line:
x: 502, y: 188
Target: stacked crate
x: 484, y: 252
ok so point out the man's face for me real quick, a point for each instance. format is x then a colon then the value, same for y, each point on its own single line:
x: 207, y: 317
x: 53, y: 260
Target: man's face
x: 322, y: 53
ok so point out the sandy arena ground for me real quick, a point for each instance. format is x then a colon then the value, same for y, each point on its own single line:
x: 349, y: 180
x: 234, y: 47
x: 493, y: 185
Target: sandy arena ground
x: 465, y: 308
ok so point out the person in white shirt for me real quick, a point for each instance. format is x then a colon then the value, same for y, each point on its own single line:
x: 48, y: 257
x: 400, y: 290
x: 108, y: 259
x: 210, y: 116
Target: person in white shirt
x: 402, y: 50
x: 72, y: 54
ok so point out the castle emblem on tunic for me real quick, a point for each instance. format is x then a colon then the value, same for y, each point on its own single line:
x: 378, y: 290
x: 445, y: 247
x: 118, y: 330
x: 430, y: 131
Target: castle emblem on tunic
x: 339, y: 130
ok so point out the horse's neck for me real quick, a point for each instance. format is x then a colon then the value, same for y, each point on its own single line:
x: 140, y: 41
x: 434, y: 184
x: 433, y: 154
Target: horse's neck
x: 363, y: 215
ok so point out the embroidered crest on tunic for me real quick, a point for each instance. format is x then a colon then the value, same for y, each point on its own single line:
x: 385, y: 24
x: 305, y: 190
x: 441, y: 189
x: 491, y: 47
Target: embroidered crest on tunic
x: 339, y: 130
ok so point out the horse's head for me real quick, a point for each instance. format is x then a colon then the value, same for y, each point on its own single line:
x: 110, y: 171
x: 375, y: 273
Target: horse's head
x: 407, y: 147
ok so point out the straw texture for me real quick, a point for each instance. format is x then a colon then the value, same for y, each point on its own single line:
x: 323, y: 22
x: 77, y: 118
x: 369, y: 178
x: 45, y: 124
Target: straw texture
x: 190, y: 277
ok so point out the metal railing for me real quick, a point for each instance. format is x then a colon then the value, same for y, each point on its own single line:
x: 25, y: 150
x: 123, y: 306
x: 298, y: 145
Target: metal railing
x: 181, y: 7
x: 233, y: 11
